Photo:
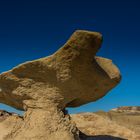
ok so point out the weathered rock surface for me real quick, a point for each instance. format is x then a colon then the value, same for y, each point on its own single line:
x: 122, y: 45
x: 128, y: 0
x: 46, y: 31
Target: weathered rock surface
x: 71, y: 77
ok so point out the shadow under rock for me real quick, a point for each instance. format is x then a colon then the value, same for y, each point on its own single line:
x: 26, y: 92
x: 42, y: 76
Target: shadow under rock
x: 99, y: 137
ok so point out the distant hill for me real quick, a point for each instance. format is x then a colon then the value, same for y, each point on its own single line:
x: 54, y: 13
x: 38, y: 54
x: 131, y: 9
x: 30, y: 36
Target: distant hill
x: 127, y: 109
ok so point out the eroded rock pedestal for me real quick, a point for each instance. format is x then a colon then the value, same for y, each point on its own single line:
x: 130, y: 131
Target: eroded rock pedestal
x: 71, y: 77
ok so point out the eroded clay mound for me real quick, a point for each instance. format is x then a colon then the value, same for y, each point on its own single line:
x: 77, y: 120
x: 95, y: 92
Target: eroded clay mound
x: 93, y: 126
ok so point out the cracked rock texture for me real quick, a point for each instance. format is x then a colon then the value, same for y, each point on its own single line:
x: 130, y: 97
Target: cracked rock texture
x: 71, y: 77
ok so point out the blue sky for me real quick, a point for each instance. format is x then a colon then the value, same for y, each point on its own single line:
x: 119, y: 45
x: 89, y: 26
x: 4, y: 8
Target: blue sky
x: 34, y: 29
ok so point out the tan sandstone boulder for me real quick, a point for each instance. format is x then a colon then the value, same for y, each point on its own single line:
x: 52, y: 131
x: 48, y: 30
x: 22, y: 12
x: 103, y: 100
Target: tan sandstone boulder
x: 71, y: 77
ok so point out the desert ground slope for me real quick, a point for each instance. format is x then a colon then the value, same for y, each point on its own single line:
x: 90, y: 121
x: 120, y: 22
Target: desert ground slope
x: 124, y: 116
x: 112, y: 125
x: 119, y: 123
x: 101, y: 127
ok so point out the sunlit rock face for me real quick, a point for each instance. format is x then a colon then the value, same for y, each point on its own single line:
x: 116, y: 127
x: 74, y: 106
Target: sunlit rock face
x: 71, y: 77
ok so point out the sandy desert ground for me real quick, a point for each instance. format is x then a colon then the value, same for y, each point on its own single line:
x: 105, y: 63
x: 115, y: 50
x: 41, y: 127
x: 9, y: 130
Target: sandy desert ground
x: 112, y: 125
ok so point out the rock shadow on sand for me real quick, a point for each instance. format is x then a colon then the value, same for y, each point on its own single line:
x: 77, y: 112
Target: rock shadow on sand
x: 99, y: 137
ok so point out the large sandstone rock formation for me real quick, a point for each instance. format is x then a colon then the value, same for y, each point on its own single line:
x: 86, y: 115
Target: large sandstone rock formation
x: 71, y: 77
